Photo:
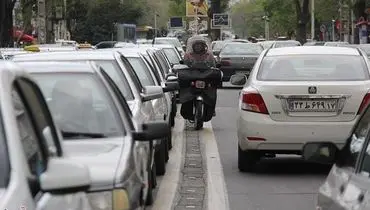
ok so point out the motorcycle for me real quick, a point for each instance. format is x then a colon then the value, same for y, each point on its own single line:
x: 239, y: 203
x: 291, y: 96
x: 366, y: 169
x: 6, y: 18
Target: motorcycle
x: 198, y: 94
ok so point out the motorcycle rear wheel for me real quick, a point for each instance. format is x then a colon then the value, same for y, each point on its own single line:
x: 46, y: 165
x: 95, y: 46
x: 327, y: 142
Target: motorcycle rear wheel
x: 198, y: 116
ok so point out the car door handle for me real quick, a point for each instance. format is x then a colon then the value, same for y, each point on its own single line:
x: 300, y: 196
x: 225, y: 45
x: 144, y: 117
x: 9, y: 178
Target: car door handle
x: 361, y: 197
x: 341, y: 189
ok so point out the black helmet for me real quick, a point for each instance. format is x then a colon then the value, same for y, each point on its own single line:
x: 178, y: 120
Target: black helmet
x: 199, y: 47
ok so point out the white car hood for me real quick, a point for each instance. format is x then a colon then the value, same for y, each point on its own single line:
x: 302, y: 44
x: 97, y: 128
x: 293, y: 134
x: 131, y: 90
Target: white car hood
x: 101, y: 156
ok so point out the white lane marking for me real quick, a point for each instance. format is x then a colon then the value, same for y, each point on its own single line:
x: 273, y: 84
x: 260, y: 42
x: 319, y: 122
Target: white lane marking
x: 216, y: 185
x: 170, y: 181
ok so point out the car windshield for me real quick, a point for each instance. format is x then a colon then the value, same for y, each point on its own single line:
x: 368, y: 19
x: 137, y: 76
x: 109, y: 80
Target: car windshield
x: 114, y: 71
x: 141, y: 70
x: 241, y: 49
x: 286, y: 44
x: 173, y: 42
x: 172, y: 55
x: 313, y: 68
x: 79, y: 104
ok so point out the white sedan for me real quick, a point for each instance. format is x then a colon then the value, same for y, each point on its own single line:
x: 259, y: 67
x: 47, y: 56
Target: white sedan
x: 296, y: 95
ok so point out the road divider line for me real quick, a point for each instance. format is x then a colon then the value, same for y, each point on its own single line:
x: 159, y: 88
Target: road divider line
x: 217, y: 196
x: 169, y: 184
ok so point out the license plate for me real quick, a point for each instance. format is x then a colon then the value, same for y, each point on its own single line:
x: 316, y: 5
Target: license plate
x: 200, y: 84
x: 313, y: 105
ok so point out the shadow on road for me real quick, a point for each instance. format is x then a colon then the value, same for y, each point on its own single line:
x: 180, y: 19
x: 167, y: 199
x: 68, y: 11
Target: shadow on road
x: 290, y: 166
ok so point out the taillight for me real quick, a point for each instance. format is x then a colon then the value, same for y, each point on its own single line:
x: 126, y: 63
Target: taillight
x: 364, y: 103
x: 252, y: 101
x: 225, y: 61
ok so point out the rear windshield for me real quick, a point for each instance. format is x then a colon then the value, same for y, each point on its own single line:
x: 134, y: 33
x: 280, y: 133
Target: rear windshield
x: 242, y: 49
x: 313, y: 68
x: 142, y: 71
x: 286, y: 44
x: 114, y: 71
x: 172, y: 55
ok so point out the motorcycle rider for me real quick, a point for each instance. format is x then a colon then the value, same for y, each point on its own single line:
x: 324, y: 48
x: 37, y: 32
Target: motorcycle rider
x: 199, y: 54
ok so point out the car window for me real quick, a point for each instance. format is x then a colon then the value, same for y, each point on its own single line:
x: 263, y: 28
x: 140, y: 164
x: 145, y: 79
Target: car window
x: 174, y: 42
x: 172, y: 55
x: 31, y: 143
x: 115, y: 72
x: 313, y: 68
x: 141, y: 70
x: 80, y: 103
x: 242, y: 49
x: 153, y: 69
x: 132, y: 74
x: 162, y: 62
x: 350, y: 152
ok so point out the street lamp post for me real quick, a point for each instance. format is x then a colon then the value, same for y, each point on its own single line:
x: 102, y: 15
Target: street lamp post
x: 267, y: 27
x: 155, y: 23
x: 333, y: 29
x: 312, y: 19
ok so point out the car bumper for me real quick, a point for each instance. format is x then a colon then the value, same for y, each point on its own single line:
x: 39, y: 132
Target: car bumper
x: 228, y: 72
x: 287, y: 136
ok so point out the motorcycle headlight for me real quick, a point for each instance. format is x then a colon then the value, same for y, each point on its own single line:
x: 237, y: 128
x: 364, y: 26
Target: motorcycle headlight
x: 109, y: 200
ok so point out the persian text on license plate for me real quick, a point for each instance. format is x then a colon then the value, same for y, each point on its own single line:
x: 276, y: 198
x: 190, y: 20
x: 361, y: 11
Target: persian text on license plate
x: 315, y: 105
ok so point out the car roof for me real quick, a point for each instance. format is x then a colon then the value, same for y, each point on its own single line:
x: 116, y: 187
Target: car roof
x: 56, y: 66
x: 72, y: 55
x: 309, y: 50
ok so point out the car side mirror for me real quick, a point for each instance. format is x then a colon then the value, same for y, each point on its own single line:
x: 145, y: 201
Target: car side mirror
x: 152, y: 130
x: 218, y: 65
x: 151, y: 93
x: 181, y: 62
x: 171, y: 86
x: 238, y: 79
x: 55, y: 180
x: 323, y: 152
x: 170, y: 75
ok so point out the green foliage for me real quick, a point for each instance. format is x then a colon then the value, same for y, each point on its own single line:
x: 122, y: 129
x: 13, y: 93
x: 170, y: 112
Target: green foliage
x: 94, y: 20
x: 177, y: 8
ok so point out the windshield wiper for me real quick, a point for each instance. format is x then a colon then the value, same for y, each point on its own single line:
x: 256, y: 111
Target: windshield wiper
x: 70, y: 134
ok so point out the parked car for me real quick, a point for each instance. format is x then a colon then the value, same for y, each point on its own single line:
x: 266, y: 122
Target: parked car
x: 363, y: 47
x: 216, y: 47
x: 97, y: 130
x: 347, y: 185
x: 286, y: 43
x: 118, y: 68
x: 162, y: 70
x: 32, y: 158
x: 335, y: 44
x: 173, y: 55
x: 314, y: 43
x: 238, y: 58
x: 148, y: 76
x: 172, y: 41
x: 313, y: 91
x: 266, y: 44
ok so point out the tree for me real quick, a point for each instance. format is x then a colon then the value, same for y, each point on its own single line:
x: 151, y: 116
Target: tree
x: 303, y: 17
x: 90, y: 21
x: 246, y: 18
x: 6, y: 22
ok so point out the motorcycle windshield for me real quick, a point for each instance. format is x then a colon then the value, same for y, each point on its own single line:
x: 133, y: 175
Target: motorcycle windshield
x: 197, y: 38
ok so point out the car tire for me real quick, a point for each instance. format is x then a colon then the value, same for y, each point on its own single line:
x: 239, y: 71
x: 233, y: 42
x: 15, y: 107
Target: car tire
x: 149, y: 198
x: 160, y: 159
x: 247, y: 160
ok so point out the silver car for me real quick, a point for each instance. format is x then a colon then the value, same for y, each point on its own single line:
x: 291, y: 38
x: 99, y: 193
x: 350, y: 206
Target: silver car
x: 285, y: 43
x: 348, y: 183
x: 97, y: 130
x: 119, y: 69
x: 31, y: 154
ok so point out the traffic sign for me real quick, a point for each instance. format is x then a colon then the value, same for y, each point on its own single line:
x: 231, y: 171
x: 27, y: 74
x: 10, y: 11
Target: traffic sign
x: 176, y: 22
x: 221, y: 20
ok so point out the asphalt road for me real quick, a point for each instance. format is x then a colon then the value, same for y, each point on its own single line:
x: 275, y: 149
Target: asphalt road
x: 283, y: 183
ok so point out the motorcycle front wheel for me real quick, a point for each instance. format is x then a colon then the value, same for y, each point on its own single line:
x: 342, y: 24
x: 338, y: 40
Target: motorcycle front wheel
x: 198, y: 116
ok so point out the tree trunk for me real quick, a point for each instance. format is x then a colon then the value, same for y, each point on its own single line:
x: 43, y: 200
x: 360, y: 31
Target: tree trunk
x: 6, y: 23
x: 302, y: 19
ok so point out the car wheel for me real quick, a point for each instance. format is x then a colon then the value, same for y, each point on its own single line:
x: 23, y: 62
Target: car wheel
x: 149, y: 197
x: 160, y: 159
x: 167, y: 149
x: 247, y: 160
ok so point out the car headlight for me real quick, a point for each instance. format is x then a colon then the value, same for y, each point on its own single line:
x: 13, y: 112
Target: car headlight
x: 109, y: 200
